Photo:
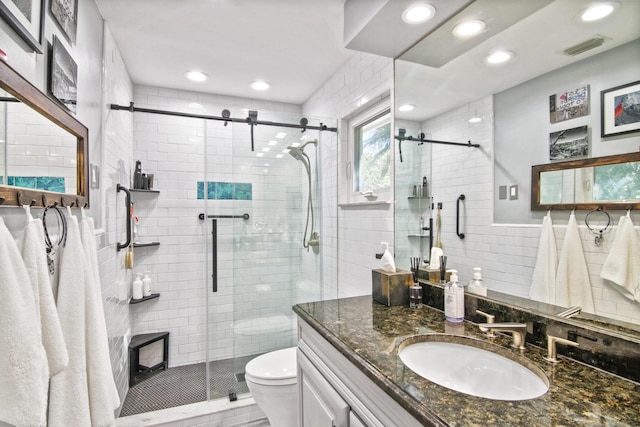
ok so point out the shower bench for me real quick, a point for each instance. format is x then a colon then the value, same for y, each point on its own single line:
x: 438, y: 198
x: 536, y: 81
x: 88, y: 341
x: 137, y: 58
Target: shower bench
x: 136, y: 370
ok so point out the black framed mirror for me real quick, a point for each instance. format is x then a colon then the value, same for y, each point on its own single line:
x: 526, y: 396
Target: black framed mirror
x: 18, y: 187
x: 610, y: 182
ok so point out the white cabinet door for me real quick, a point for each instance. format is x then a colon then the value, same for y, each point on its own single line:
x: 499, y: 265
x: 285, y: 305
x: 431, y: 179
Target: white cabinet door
x: 320, y: 404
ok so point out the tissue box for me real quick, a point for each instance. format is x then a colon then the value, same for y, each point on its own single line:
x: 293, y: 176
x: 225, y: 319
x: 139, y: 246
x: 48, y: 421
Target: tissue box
x: 391, y: 288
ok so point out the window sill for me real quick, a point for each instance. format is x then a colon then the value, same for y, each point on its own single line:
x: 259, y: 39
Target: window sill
x: 359, y: 204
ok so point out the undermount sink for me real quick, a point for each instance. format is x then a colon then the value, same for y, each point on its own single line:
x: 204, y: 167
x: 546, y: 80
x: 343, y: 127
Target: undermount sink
x: 457, y: 363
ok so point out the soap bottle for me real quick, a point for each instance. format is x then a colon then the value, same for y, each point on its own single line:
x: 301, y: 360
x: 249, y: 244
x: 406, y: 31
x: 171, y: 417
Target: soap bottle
x: 476, y: 286
x: 137, y: 287
x: 146, y: 284
x: 454, y: 299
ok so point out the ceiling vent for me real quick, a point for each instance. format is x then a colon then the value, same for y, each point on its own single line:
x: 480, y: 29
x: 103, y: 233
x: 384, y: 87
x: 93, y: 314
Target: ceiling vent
x: 595, y: 41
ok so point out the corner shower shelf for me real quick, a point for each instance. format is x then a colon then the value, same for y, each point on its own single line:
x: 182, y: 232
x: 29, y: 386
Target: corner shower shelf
x: 145, y: 244
x: 143, y: 299
x: 418, y: 235
x: 138, y: 190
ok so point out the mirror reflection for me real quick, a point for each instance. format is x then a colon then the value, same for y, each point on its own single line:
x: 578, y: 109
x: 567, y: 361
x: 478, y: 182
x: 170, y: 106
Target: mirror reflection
x: 449, y: 94
x: 39, y: 154
x: 607, y: 183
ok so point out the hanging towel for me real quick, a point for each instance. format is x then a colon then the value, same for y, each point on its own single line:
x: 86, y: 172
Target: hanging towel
x: 103, y: 394
x: 35, y: 259
x: 68, y: 394
x: 622, y: 266
x: 24, y: 375
x: 543, y: 281
x: 573, y: 286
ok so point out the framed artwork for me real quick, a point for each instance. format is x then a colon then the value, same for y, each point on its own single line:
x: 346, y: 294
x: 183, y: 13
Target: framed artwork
x: 26, y: 18
x: 569, y: 143
x: 620, y: 109
x: 66, y: 14
x: 569, y: 104
x: 63, y: 83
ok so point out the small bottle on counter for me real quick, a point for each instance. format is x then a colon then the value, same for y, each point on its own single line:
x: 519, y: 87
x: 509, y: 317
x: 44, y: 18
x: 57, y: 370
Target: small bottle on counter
x: 146, y: 284
x: 476, y: 286
x: 454, y: 299
x: 137, y: 287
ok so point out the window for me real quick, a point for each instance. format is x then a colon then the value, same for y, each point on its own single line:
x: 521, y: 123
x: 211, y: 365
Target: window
x: 372, y: 154
x: 366, y: 155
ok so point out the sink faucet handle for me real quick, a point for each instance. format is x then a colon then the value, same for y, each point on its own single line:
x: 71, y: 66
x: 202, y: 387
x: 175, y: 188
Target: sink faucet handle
x: 552, y: 355
x: 490, y: 319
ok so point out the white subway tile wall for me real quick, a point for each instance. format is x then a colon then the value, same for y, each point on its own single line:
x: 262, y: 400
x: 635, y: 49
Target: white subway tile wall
x: 351, y: 236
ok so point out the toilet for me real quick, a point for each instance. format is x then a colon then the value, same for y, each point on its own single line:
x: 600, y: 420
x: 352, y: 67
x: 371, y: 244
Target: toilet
x: 273, y: 382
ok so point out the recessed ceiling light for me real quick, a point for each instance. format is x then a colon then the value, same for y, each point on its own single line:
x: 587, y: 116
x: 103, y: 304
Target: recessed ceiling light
x: 406, y: 107
x: 196, y: 76
x: 259, y: 154
x: 475, y: 120
x: 273, y: 143
x: 260, y: 85
x: 265, y: 149
x: 598, y: 11
x: 418, y: 13
x: 499, y: 57
x: 279, y: 156
x: 468, y: 28
x: 281, y: 134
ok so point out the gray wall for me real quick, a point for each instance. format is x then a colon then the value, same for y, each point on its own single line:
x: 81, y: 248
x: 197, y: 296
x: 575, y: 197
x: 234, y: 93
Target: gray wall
x: 522, y: 125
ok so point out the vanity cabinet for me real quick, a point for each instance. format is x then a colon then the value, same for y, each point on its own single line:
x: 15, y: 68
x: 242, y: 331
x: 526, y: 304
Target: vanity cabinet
x: 334, y: 392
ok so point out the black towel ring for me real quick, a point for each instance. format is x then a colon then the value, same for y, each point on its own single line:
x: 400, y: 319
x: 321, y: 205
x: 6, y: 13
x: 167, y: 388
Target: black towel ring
x: 598, y: 233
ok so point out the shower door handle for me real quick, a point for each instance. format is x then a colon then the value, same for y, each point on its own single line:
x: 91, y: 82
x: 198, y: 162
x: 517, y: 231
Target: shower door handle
x: 458, y: 233
x: 214, y: 254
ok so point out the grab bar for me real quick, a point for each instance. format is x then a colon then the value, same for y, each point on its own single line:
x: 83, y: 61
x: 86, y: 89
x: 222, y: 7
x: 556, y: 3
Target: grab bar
x: 125, y: 245
x: 203, y: 216
x: 214, y: 254
x: 460, y: 235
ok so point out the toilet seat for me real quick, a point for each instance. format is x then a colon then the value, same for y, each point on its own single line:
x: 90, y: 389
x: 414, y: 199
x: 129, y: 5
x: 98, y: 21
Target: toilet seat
x: 275, y: 368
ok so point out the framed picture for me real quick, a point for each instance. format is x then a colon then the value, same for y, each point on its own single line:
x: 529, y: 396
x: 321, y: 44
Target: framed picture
x: 569, y: 143
x: 26, y: 18
x: 620, y: 108
x: 63, y: 83
x: 66, y: 14
x: 569, y: 104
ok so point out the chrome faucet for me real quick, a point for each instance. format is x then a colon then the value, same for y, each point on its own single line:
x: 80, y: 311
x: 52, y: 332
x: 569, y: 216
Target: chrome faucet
x: 517, y: 330
x: 552, y: 355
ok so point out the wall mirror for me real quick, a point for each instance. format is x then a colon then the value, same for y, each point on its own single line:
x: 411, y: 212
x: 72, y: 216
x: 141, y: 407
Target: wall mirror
x: 458, y: 77
x: 44, y: 149
x: 609, y: 182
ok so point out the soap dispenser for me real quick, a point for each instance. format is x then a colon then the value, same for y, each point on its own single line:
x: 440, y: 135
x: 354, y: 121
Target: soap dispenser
x: 454, y: 299
x: 476, y: 286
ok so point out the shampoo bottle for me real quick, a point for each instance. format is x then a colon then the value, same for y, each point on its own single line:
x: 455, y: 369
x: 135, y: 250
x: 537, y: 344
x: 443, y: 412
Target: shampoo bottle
x: 454, y: 299
x: 146, y: 284
x: 137, y: 287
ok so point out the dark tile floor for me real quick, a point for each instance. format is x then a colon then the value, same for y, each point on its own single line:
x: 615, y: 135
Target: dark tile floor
x: 183, y: 385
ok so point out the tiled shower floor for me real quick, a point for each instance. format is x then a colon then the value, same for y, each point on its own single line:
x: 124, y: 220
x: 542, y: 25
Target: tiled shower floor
x: 183, y: 385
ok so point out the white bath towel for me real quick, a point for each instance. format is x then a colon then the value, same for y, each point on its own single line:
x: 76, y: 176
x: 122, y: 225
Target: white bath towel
x: 543, y: 281
x: 573, y: 286
x: 35, y: 259
x: 68, y: 393
x: 24, y: 373
x: 622, y: 266
x: 103, y: 394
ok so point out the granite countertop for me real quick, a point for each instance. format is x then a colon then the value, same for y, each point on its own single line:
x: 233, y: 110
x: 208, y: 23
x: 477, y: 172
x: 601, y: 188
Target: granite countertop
x: 368, y: 334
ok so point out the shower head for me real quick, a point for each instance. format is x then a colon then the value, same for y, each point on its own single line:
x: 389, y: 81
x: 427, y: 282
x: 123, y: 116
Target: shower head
x: 296, y: 152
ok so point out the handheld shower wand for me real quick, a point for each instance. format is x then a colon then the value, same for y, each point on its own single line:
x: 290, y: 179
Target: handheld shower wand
x: 299, y: 154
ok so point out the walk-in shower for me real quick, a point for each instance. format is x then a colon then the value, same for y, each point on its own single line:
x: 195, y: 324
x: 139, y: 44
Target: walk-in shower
x: 207, y: 171
x: 297, y: 152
